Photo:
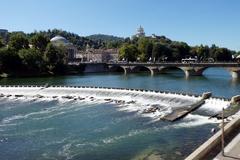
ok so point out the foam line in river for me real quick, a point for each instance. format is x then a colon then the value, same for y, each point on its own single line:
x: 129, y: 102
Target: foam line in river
x: 131, y: 100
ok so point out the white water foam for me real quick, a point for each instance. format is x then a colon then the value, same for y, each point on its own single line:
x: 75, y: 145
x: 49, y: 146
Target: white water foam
x: 126, y: 100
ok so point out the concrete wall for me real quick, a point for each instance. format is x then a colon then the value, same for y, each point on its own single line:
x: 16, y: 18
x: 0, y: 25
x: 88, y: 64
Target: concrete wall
x: 214, y: 141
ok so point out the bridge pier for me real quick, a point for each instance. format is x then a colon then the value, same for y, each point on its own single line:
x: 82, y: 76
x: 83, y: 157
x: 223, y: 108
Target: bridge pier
x: 153, y: 71
x: 127, y: 70
x: 235, y: 72
x: 192, y: 71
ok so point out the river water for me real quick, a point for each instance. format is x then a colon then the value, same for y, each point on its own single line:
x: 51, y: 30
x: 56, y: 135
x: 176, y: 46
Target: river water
x: 93, y: 128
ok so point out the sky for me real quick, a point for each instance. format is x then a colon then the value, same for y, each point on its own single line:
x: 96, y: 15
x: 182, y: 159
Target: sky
x: 196, y: 22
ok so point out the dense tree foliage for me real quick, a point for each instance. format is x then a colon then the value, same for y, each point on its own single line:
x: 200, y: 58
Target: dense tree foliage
x: 160, y: 49
x: 39, y: 41
x: 129, y: 52
x: 9, y: 60
x: 31, y: 59
x: 18, y: 41
x: 107, y: 41
x: 145, y: 48
x: 31, y: 55
x: 1, y: 43
x: 55, y: 58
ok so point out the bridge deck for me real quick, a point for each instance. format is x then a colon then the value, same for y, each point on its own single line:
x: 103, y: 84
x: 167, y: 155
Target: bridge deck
x: 217, y: 64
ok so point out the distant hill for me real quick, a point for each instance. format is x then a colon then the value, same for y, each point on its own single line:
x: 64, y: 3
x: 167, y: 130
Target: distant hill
x: 79, y: 41
x: 104, y: 38
x: 95, y: 41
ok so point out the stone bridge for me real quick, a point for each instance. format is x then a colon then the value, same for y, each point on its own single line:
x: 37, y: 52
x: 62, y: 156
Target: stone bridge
x: 190, y: 69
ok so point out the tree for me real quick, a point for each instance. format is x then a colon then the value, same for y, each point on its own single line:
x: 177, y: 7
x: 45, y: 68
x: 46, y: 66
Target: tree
x: 9, y: 60
x: 179, y: 50
x: 31, y: 59
x: 223, y: 54
x: 202, y: 52
x: 55, y: 57
x: 157, y: 51
x: 1, y: 43
x: 129, y: 52
x: 145, y: 47
x: 18, y: 41
x: 39, y: 41
x: 161, y: 52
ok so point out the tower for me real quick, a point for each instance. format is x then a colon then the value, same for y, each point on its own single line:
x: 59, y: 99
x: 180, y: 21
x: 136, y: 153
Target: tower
x: 140, y: 32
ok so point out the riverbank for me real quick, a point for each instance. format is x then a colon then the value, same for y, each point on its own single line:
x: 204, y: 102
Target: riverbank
x: 212, y: 146
x: 67, y: 70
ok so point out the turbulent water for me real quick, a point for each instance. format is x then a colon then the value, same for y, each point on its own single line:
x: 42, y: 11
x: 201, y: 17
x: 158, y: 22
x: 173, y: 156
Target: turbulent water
x: 97, y: 123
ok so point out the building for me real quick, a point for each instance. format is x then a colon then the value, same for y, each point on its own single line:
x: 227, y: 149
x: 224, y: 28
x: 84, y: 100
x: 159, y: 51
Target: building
x: 71, y: 49
x: 140, y: 32
x: 98, y: 55
x: 88, y: 55
x: 4, y: 34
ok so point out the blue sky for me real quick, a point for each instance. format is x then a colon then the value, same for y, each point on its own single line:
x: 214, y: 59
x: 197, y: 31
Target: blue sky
x: 193, y: 21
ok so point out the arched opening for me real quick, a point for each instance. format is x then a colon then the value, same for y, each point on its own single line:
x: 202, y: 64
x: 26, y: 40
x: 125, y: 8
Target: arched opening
x: 175, y: 71
x: 217, y: 72
x: 141, y: 69
x: 116, y: 69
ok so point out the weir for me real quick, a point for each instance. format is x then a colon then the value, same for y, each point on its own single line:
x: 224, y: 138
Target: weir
x: 150, y: 103
x: 184, y: 110
x: 233, y: 109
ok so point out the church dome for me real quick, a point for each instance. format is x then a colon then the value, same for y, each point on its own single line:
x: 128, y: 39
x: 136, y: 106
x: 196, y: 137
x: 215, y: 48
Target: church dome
x: 59, y: 40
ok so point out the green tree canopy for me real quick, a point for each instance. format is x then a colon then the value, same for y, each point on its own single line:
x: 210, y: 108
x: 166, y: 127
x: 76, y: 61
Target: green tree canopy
x: 1, y: 43
x: 31, y: 58
x: 161, y: 52
x: 9, y: 60
x: 129, y: 52
x: 202, y: 52
x: 55, y: 57
x: 145, y: 46
x: 39, y: 41
x: 18, y: 41
x: 222, y: 54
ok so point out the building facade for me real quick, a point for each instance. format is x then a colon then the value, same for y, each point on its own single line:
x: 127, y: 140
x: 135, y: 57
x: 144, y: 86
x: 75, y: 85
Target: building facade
x: 98, y: 55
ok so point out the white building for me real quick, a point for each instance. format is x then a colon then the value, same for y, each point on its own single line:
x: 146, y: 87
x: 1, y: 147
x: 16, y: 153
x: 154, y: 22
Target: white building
x: 140, y: 32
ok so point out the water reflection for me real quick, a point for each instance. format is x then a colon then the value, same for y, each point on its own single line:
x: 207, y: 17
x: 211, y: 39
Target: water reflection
x: 234, y: 82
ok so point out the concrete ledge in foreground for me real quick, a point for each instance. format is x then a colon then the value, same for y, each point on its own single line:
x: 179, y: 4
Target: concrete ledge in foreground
x: 215, y: 140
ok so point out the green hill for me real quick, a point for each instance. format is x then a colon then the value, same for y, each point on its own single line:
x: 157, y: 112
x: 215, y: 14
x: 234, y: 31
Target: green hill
x: 105, y: 38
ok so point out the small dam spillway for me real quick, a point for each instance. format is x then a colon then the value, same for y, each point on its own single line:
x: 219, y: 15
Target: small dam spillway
x: 184, y: 110
x: 231, y: 110
x: 157, y: 105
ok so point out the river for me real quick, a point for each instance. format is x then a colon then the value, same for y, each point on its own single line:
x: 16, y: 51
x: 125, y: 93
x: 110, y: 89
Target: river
x: 51, y: 128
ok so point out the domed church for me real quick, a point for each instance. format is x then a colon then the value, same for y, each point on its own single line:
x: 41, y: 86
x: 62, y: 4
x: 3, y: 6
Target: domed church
x: 71, y: 49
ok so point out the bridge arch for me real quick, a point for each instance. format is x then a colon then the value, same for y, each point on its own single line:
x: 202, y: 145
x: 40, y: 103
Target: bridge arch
x: 170, y: 68
x: 141, y: 68
x: 229, y: 71
x: 117, y: 68
x: 190, y: 69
